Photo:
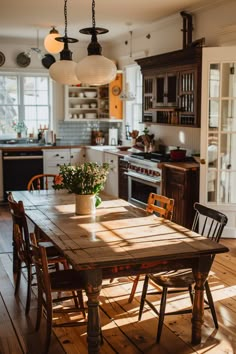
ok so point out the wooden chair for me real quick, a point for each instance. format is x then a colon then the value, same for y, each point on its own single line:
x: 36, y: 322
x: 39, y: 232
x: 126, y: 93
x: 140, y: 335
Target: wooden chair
x: 22, y: 253
x: 209, y: 223
x: 59, y: 281
x: 41, y: 181
x: 163, y: 206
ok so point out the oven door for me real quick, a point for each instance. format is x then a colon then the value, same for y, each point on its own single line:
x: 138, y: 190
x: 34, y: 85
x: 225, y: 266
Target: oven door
x: 139, y: 190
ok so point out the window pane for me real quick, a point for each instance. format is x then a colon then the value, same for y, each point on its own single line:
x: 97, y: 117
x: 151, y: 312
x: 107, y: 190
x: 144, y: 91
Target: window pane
x: 228, y: 80
x: 227, y: 189
x: 214, y: 84
x: 213, y: 114
x: 23, y: 98
x: 212, y: 185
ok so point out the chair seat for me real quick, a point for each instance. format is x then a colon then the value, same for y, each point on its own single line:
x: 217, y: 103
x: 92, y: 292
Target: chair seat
x: 178, y: 279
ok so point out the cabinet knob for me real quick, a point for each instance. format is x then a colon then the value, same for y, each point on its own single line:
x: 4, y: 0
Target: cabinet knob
x: 58, y: 164
x: 71, y: 156
x: 57, y: 155
x: 202, y: 161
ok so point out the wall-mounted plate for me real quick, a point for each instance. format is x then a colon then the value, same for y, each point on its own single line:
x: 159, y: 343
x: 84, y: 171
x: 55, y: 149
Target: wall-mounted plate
x: 48, y: 60
x: 23, y: 60
x: 2, y: 58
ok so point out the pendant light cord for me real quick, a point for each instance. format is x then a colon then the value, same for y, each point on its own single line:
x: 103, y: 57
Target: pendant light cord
x: 93, y: 14
x: 65, y: 14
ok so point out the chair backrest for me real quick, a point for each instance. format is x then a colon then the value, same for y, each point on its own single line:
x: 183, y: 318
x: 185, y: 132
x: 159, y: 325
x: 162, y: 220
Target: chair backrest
x: 209, y: 222
x: 22, y: 242
x: 41, y: 181
x: 160, y: 204
x: 39, y: 256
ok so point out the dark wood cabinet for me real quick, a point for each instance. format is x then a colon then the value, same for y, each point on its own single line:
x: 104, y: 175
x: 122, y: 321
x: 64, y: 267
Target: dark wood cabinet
x: 172, y: 87
x: 123, y: 179
x: 183, y: 186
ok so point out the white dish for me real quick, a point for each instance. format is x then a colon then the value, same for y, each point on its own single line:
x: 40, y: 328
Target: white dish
x: 93, y: 105
x: 90, y: 94
x: 90, y: 115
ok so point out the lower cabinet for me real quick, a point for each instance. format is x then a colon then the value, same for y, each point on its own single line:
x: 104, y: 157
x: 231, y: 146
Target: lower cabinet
x: 111, y: 185
x: 54, y: 158
x: 183, y: 186
x: 123, y: 179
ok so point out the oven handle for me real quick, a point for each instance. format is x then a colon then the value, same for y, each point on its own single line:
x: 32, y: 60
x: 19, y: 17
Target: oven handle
x: 22, y: 157
x: 142, y: 178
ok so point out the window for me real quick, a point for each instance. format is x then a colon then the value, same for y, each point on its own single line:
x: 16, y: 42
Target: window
x: 133, y: 109
x: 24, y: 104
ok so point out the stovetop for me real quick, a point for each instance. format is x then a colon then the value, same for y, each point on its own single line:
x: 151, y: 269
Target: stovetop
x: 158, y: 157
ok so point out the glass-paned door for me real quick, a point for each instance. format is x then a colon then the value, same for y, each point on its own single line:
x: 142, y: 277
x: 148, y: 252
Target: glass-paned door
x: 218, y: 132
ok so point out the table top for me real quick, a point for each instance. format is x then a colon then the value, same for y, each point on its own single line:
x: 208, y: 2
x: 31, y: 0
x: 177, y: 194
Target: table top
x: 117, y: 234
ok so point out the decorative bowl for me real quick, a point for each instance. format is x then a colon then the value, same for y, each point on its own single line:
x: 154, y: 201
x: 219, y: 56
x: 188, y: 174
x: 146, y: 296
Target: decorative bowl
x: 90, y: 94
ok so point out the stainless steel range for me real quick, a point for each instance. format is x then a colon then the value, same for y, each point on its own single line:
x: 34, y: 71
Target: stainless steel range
x: 144, y: 175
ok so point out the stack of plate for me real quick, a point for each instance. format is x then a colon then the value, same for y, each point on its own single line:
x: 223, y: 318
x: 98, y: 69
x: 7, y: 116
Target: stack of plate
x: 90, y: 115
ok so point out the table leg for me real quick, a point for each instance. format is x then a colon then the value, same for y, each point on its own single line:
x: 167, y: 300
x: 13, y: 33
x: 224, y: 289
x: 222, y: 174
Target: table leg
x: 93, y: 288
x: 200, y: 275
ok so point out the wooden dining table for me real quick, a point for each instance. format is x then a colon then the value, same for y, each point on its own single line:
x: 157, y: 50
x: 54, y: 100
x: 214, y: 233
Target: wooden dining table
x: 119, y: 240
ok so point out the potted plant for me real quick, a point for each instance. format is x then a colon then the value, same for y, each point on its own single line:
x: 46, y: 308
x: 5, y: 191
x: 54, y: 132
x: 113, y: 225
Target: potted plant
x: 85, y: 181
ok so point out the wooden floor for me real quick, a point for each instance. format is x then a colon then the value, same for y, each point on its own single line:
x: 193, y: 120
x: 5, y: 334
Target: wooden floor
x: 121, y: 330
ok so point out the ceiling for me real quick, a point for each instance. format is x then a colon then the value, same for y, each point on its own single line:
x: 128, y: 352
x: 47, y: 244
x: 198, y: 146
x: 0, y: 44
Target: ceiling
x: 27, y: 19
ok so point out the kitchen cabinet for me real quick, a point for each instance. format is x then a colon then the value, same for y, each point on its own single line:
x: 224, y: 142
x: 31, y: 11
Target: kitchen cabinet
x: 92, y: 103
x: 54, y: 158
x: 181, y: 184
x: 111, y: 185
x: 123, y: 178
x: 172, y: 87
x: 94, y: 155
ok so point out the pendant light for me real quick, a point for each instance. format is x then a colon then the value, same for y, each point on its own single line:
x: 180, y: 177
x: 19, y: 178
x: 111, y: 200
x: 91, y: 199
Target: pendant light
x: 51, y: 44
x: 63, y: 71
x: 95, y: 69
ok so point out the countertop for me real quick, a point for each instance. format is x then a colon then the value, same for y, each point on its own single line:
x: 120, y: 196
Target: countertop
x: 111, y: 149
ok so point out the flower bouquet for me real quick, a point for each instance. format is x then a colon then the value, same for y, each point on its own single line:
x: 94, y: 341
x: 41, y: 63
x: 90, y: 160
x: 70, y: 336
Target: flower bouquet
x: 86, y: 179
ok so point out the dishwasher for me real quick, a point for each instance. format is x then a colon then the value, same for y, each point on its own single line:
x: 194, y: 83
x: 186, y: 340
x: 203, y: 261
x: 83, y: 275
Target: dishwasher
x: 19, y: 167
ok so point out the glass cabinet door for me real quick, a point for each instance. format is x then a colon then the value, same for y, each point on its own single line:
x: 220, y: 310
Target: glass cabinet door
x: 221, y: 140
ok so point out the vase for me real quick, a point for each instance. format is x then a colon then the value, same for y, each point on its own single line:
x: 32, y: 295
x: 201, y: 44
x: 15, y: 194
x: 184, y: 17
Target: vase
x: 85, y: 204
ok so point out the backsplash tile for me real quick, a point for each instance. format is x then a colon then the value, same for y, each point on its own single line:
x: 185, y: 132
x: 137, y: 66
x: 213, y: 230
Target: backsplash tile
x: 80, y: 132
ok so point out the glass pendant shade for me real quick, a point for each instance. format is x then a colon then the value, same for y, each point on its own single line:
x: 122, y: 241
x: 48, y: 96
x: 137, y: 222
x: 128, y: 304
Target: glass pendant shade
x: 63, y: 72
x: 96, y: 70
x: 50, y: 44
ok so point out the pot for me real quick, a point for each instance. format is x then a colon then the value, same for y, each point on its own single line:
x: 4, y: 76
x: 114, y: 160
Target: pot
x: 177, y: 154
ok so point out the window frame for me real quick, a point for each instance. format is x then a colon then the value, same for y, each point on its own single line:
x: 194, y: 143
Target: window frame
x: 22, y: 105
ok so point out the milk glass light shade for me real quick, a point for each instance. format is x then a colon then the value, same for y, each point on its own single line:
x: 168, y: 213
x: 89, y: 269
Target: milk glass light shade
x: 50, y: 44
x: 63, y: 72
x: 96, y: 70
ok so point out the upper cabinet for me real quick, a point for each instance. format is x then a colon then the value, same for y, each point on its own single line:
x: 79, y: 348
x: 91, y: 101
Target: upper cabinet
x: 91, y: 102
x: 172, y: 87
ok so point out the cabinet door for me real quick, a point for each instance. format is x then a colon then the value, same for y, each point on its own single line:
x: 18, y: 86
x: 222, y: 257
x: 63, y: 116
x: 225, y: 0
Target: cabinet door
x: 77, y: 156
x: 187, y: 97
x: 94, y: 155
x: 111, y: 186
x: 52, y: 159
x: 115, y: 104
x: 148, y: 98
x: 166, y: 89
x: 183, y: 187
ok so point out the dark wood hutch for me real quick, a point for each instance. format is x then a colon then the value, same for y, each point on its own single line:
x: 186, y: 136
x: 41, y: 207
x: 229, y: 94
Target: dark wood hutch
x: 172, y: 87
